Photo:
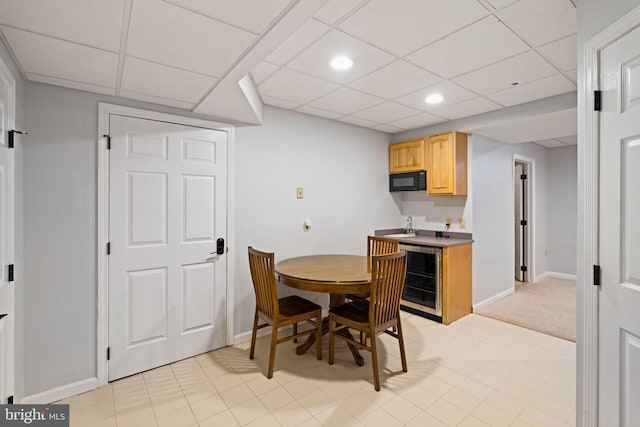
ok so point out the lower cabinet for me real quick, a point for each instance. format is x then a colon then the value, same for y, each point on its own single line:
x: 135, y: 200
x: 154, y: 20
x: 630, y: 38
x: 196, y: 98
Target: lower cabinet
x: 456, y: 283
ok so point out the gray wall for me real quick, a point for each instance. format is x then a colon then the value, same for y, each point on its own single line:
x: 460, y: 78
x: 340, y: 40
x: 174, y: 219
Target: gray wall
x: 18, y: 213
x: 344, y: 172
x: 563, y: 209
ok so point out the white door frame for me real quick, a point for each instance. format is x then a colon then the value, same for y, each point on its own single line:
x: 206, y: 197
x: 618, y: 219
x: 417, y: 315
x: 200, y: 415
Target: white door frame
x: 10, y: 81
x: 530, y: 259
x: 104, y: 111
x: 588, y: 198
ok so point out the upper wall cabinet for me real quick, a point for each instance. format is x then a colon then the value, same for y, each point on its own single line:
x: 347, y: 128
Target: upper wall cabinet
x: 407, y: 156
x: 446, y: 161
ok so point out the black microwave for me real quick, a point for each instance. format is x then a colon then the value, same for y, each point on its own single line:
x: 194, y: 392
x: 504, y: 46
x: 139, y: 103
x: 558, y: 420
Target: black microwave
x: 408, y: 181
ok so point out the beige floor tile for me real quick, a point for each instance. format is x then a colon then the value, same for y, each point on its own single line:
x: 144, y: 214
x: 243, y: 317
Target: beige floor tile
x: 135, y: 416
x: 249, y: 411
x: 182, y: 417
x: 312, y: 422
x: 276, y: 398
x: 435, y: 385
x: 402, y: 409
x: 208, y: 407
x: 419, y: 396
x: 223, y: 419
x: 267, y: 421
x: 474, y: 388
x: 237, y: 395
x: 472, y: 421
x: 292, y: 414
x: 493, y: 416
x: 446, y: 412
x: 461, y: 399
x: 99, y: 395
x: 552, y: 407
x: 98, y: 412
x: 536, y: 417
x: 357, y: 405
x: 316, y: 402
x: 506, y: 403
x: 226, y: 381
x: 300, y: 387
x: 381, y: 418
x: 262, y: 385
x: 337, y: 417
x: 424, y: 419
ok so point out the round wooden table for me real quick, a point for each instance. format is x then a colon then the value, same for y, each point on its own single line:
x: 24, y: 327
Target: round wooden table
x: 337, y: 275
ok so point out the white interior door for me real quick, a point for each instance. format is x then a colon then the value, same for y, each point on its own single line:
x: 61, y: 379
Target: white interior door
x: 6, y: 239
x: 619, y: 239
x: 167, y: 208
x: 517, y: 207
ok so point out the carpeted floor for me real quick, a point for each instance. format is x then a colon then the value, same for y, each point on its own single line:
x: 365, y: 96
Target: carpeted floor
x: 548, y: 306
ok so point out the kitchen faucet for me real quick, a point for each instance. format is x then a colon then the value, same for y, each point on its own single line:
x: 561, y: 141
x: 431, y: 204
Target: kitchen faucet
x: 409, y: 228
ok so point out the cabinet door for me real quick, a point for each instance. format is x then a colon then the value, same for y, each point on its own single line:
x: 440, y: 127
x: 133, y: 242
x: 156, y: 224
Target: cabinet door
x: 406, y: 156
x: 440, y: 164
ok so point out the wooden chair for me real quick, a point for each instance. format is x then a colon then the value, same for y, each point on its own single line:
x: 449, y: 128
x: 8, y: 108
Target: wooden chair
x: 378, y: 314
x: 276, y: 311
x: 376, y: 246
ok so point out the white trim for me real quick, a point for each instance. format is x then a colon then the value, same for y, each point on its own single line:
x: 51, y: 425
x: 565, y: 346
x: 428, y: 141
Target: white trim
x: 10, y: 81
x: 588, y: 183
x: 104, y: 111
x: 493, y: 299
x: 62, y: 392
x: 557, y: 275
x: 530, y: 259
x: 231, y: 235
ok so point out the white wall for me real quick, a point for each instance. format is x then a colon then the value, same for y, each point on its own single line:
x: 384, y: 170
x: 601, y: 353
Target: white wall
x: 344, y: 172
x: 563, y: 209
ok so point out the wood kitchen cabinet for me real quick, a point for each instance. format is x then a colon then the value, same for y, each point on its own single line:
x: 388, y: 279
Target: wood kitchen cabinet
x: 407, y: 156
x: 446, y: 164
x: 456, y: 283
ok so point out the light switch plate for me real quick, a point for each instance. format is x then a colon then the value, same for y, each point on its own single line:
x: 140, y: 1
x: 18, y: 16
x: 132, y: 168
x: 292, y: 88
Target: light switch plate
x: 300, y: 193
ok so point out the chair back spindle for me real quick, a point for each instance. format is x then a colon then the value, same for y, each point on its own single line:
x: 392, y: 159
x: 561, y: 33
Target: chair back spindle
x: 387, y: 280
x: 263, y: 276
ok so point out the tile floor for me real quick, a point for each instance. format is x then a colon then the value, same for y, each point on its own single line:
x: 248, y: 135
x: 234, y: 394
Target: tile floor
x: 474, y: 372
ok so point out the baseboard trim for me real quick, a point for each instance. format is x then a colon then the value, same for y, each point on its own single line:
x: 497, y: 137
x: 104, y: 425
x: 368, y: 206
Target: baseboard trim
x: 246, y: 336
x: 492, y: 299
x: 556, y: 275
x: 62, y: 392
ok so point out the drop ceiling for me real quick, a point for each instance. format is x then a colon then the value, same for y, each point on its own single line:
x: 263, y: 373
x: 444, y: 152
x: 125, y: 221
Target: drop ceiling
x: 481, y: 55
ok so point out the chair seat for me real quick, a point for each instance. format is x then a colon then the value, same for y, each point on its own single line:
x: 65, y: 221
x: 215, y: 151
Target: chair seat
x: 294, y: 305
x: 356, y: 311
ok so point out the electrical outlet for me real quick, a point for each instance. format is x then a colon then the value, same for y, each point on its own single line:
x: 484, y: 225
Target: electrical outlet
x: 463, y: 223
x: 300, y: 193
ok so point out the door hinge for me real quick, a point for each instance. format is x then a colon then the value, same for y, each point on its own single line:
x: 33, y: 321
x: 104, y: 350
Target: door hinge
x: 523, y: 176
x: 523, y: 222
x: 10, y: 275
x: 597, y: 275
x: 108, y: 141
x: 108, y: 248
x: 523, y: 268
x: 10, y: 400
x: 597, y: 100
x: 108, y: 353
x: 3, y: 315
x: 10, y: 141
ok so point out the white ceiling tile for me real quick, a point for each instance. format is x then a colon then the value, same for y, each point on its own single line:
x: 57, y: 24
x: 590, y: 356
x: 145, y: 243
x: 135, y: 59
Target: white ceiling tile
x: 387, y: 112
x: 278, y: 102
x: 319, y: 112
x: 538, y: 89
x: 293, y: 86
x: 359, y: 122
x: 315, y: 60
x: 262, y: 71
x: 417, y: 121
x: 388, y: 129
x: 63, y: 60
x: 523, y: 68
x: 96, y: 23
x: 550, y: 143
x: 336, y: 9
x: 452, y: 95
x: 541, y: 21
x: 70, y: 84
x: 569, y: 140
x: 573, y: 75
x: 252, y: 15
x: 165, y: 82
x: 346, y: 101
x: 311, y: 31
x: 500, y: 4
x: 156, y: 100
x: 563, y: 53
x: 170, y: 35
x: 395, y: 79
x: 466, y: 108
x: 402, y: 27
x: 475, y: 46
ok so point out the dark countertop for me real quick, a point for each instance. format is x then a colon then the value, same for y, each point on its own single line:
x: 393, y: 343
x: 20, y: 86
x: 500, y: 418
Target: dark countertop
x: 428, y: 238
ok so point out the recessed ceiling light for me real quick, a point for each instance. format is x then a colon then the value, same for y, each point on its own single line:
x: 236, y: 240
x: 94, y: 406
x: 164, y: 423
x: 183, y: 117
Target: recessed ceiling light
x: 434, y: 98
x: 342, y: 63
